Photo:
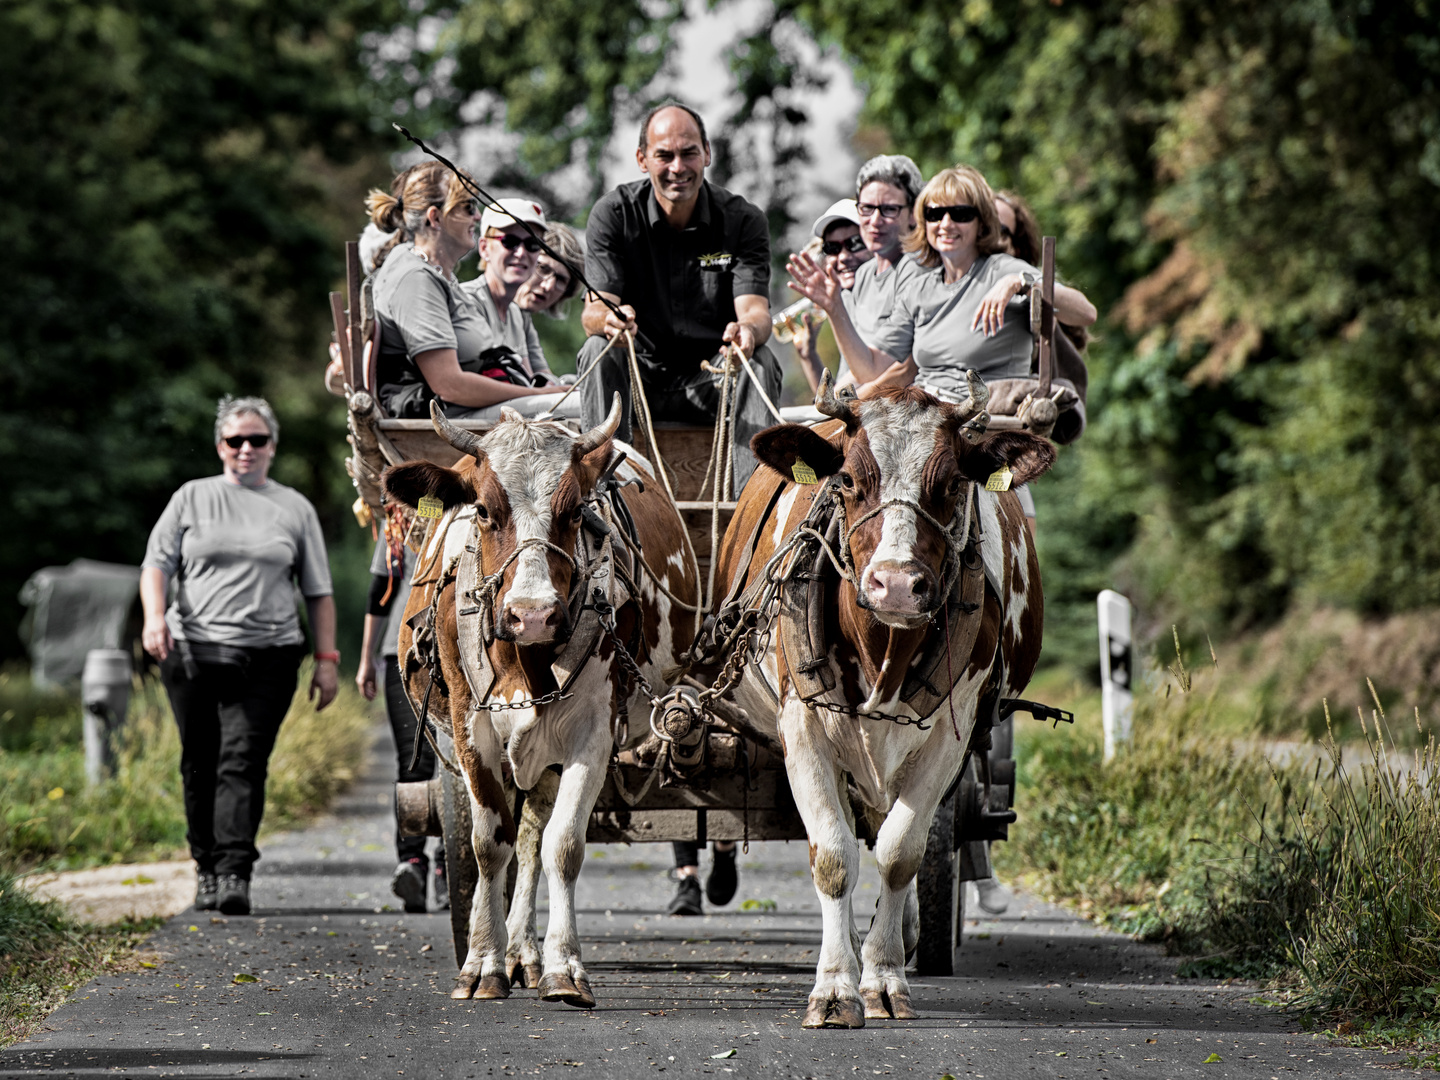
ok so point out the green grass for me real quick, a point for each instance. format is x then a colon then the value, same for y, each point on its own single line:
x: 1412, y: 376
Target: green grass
x: 51, y: 820
x: 44, y: 957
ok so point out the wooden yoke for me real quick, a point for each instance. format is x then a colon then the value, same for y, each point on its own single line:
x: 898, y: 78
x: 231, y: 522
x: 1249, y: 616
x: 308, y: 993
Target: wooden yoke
x: 1046, y: 335
x: 353, y: 349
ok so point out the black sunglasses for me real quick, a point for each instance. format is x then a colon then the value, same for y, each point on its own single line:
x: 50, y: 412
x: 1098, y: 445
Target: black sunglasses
x: 961, y: 215
x: 237, y: 441
x: 852, y: 243
x: 510, y: 242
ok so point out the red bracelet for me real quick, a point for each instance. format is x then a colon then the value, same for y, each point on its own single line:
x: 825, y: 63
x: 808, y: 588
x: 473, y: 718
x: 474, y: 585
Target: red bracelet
x: 333, y: 657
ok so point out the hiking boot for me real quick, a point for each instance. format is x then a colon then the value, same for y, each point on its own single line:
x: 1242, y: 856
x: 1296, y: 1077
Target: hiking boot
x: 994, y: 898
x: 408, y: 883
x: 234, y: 895
x: 442, y: 888
x: 207, y: 891
x: 687, y: 898
x: 720, y: 886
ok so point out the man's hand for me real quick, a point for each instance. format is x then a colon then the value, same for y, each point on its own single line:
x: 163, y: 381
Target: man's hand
x: 324, y: 683
x: 742, y: 336
x: 616, y: 325
x: 365, y: 679
x: 816, y: 283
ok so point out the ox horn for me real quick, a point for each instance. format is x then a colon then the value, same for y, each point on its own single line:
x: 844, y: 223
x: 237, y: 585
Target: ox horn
x: 467, y: 442
x: 840, y: 405
x: 979, y: 396
x: 601, y: 431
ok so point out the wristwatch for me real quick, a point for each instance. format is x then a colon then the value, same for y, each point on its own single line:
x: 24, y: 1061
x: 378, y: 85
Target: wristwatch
x: 1029, y: 279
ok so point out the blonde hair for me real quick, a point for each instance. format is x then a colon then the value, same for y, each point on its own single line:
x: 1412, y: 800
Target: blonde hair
x: 949, y: 187
x: 402, y: 210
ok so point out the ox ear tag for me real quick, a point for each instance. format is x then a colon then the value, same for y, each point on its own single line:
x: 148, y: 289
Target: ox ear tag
x: 429, y: 507
x: 1000, y: 480
x: 803, y: 473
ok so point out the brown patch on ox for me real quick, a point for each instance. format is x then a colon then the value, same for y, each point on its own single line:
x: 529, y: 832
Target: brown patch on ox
x: 901, y: 871
x: 571, y: 854
x: 1022, y: 643
x: 828, y: 870
x: 982, y: 656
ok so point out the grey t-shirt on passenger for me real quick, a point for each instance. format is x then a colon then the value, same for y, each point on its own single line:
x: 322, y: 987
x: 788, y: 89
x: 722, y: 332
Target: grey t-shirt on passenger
x: 379, y: 566
x: 871, y: 299
x: 419, y: 309
x: 931, y: 322
x: 233, y: 553
x: 516, y: 330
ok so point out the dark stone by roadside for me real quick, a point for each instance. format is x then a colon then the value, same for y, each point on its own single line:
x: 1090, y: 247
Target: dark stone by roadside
x: 347, y: 985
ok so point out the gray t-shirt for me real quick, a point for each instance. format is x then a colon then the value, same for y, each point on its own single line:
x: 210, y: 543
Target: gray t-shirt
x: 419, y: 309
x: 871, y: 299
x: 516, y: 331
x: 398, y: 599
x: 233, y: 553
x: 931, y: 322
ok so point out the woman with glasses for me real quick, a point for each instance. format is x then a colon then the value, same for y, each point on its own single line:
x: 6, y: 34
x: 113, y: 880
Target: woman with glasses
x: 434, y: 336
x: 233, y: 547
x: 554, y: 282
x: 963, y: 309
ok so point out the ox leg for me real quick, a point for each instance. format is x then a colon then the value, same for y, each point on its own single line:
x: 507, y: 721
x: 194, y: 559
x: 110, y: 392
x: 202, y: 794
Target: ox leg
x: 899, y: 850
x: 522, y: 955
x: 563, y: 852
x: 820, y: 796
x: 483, y: 974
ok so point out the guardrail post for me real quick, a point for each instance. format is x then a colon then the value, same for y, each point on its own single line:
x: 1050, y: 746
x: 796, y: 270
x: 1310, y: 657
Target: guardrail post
x: 105, y: 694
x: 1116, y: 668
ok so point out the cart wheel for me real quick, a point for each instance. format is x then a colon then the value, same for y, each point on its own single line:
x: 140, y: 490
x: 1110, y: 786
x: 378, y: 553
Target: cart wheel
x: 942, y: 897
x: 461, y: 871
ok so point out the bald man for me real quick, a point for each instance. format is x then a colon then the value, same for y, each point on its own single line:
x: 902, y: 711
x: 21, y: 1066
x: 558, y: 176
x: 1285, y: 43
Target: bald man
x: 688, y: 264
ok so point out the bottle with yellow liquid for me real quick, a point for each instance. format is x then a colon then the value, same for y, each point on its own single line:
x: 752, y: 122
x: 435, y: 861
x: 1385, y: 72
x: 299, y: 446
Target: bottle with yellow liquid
x: 787, y: 321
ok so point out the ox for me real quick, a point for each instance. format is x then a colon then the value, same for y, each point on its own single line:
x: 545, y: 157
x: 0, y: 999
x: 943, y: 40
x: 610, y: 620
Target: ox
x: 525, y: 598
x: 912, y: 603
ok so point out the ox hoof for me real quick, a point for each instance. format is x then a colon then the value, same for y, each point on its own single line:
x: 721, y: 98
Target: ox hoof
x: 527, y: 975
x: 836, y: 1013
x: 882, y: 1005
x: 493, y: 988
x: 464, y: 986
x: 560, y: 987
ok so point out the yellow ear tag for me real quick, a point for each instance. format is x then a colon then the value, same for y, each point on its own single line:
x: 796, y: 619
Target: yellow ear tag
x: 803, y: 473
x: 1000, y: 481
x: 429, y: 507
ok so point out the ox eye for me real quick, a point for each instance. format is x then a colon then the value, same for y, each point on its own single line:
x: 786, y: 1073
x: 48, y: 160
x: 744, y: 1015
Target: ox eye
x: 953, y: 488
x: 481, y: 514
x: 847, y: 481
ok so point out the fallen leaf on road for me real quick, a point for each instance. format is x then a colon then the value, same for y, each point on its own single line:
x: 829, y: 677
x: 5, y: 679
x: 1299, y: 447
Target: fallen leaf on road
x: 1061, y: 1053
x: 1213, y: 1059
x: 241, y: 977
x: 146, y: 963
x: 724, y: 1054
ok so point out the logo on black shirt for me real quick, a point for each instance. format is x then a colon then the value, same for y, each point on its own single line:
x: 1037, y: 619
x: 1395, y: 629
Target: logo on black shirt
x: 717, y: 262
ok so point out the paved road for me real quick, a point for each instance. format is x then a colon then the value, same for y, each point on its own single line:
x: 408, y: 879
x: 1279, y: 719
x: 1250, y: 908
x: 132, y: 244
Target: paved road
x: 347, y: 987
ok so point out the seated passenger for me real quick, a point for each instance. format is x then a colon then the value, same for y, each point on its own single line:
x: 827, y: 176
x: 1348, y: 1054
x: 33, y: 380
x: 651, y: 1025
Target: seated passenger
x: 838, y: 243
x: 553, y: 282
x: 435, y: 341
x: 955, y: 313
x: 1020, y: 236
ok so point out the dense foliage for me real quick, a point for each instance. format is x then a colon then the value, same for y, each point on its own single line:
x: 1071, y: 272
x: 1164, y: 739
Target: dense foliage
x: 174, y: 176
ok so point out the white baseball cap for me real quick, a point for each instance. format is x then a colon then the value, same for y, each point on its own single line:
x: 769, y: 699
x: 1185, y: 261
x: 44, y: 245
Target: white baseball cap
x: 508, y: 212
x: 844, y: 210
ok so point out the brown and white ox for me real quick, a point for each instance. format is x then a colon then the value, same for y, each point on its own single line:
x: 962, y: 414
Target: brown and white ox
x: 904, y: 464
x: 513, y: 509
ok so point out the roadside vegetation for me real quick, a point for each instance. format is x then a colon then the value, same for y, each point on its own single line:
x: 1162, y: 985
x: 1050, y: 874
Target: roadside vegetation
x: 51, y: 820
x: 1308, y: 864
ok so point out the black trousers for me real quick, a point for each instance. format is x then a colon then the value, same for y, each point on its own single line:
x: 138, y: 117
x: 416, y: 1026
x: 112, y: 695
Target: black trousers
x: 402, y: 726
x: 228, y: 716
x: 696, y: 401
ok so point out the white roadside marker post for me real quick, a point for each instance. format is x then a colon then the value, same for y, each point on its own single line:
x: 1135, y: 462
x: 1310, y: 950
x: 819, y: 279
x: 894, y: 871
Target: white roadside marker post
x: 1116, y: 700
x: 105, y: 693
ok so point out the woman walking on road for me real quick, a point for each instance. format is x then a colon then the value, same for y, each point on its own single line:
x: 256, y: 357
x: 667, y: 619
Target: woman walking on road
x: 230, y: 643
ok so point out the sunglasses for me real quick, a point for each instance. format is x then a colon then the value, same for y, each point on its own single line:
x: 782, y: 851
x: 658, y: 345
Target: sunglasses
x: 961, y: 215
x: 510, y: 242
x: 852, y: 244
x: 237, y: 441
x: 888, y: 211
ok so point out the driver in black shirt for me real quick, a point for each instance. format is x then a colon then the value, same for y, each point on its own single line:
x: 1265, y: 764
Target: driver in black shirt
x: 689, y: 265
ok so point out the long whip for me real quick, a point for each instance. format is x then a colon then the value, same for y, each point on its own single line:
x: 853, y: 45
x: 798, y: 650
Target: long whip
x: 492, y: 203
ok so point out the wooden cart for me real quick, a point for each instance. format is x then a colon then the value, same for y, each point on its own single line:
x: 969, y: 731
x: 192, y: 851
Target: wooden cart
x: 752, y: 802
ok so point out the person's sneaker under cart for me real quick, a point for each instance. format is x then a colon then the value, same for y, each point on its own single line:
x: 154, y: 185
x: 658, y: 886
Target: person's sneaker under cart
x: 408, y: 883
x: 441, y: 887
x: 994, y: 898
x: 234, y: 895
x: 207, y: 891
x: 720, y: 886
x: 687, y: 898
